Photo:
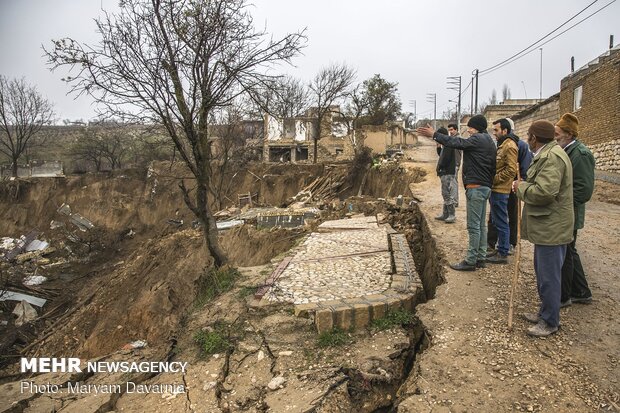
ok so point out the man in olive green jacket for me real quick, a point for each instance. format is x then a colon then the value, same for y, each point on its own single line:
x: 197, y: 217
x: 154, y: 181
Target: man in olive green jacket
x: 547, y: 222
x: 574, y: 285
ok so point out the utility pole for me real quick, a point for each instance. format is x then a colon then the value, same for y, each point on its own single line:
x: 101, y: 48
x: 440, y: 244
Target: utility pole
x: 471, y: 106
x: 476, y: 103
x: 432, y: 97
x: 454, y: 83
x: 540, y: 72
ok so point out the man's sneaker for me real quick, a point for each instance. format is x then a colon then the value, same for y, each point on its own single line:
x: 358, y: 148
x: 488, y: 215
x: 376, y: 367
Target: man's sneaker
x: 542, y: 329
x: 497, y: 259
x: 582, y: 300
x: 531, y: 317
x: 463, y: 266
x: 481, y: 264
x: 511, y: 250
x: 566, y: 303
x: 491, y: 252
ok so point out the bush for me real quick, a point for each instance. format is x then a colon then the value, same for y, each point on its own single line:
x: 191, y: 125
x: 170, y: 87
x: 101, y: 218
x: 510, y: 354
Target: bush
x: 215, y: 282
x: 333, y: 338
x: 393, y: 319
x: 212, y: 342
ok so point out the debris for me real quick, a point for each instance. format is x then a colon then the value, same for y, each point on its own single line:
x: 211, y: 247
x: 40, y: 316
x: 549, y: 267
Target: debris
x: 131, y: 233
x: 37, y: 245
x: 56, y: 224
x: 24, y: 312
x: 64, y: 209
x: 175, y: 222
x: 261, y: 355
x: 135, y: 345
x: 285, y: 353
x: 14, y: 296
x: 7, y: 243
x: 276, y: 383
x: 78, y: 220
x: 82, y: 223
x: 280, y: 219
x: 22, y: 258
x: 229, y: 224
x: 34, y: 280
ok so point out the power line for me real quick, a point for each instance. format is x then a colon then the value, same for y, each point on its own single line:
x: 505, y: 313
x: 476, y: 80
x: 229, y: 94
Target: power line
x: 554, y: 37
x: 539, y: 40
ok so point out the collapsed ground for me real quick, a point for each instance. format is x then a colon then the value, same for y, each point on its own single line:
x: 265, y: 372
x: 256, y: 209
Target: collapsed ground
x: 136, y: 282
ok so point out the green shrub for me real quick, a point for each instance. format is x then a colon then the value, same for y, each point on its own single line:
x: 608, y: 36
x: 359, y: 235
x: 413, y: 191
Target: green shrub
x: 212, y: 342
x: 393, y: 319
x: 215, y: 282
x: 333, y: 338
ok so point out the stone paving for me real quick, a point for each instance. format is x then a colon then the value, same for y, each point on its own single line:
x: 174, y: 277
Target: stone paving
x: 341, y: 273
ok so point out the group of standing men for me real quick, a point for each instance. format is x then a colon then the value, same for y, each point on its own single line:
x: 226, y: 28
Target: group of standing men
x: 552, y: 174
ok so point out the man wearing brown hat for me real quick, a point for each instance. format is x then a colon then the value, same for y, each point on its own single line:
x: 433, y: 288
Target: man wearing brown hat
x: 479, y: 153
x: 547, y: 194
x: 574, y: 285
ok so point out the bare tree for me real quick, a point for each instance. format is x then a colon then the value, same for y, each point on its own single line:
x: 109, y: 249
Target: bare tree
x: 505, y: 92
x: 357, y: 105
x: 493, y: 99
x: 23, y: 112
x: 87, y: 149
x: 172, y: 62
x: 329, y: 86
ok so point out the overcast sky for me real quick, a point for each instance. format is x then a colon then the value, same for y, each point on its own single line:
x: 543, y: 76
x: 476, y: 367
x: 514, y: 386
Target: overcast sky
x: 415, y: 43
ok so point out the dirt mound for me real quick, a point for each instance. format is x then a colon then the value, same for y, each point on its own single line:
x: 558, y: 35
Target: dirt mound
x: 606, y: 192
x: 143, y: 298
x: 247, y: 246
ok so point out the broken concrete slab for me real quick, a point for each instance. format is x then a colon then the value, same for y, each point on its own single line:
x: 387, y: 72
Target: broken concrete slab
x: 82, y: 223
x: 34, y: 280
x: 64, y: 209
x: 15, y: 296
x: 24, y: 312
x: 37, y: 245
x: 229, y: 224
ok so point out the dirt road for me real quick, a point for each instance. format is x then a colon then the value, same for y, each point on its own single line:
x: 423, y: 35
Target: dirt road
x: 476, y: 364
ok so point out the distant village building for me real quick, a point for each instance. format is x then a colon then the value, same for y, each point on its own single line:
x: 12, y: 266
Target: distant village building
x: 548, y: 109
x: 507, y: 109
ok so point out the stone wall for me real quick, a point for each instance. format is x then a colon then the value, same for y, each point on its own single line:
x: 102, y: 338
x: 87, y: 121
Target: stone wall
x: 607, y: 155
x: 600, y: 102
x: 548, y: 109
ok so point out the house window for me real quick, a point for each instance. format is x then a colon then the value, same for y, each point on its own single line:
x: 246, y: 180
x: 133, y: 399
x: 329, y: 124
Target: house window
x: 577, y: 93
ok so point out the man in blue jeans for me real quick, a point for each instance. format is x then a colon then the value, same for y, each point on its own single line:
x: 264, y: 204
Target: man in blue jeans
x: 505, y: 171
x: 479, y: 154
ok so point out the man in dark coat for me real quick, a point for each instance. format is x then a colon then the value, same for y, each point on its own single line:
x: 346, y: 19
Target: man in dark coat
x: 479, y: 154
x: 574, y: 285
x: 446, y: 168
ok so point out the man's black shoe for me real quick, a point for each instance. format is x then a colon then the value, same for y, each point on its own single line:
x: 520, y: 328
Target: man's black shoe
x: 463, y: 266
x: 481, y: 264
x: 582, y: 300
x: 497, y: 259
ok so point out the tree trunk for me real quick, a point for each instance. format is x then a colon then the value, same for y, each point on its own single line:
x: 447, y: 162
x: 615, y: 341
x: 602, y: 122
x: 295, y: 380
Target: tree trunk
x: 316, y: 142
x: 209, y: 227
x: 14, y: 168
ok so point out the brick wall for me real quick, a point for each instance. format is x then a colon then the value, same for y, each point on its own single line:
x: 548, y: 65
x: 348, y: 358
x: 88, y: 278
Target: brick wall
x: 548, y: 109
x: 600, y: 106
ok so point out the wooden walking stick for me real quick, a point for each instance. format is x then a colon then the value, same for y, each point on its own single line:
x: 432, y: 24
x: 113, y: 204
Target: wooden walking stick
x: 515, y: 275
